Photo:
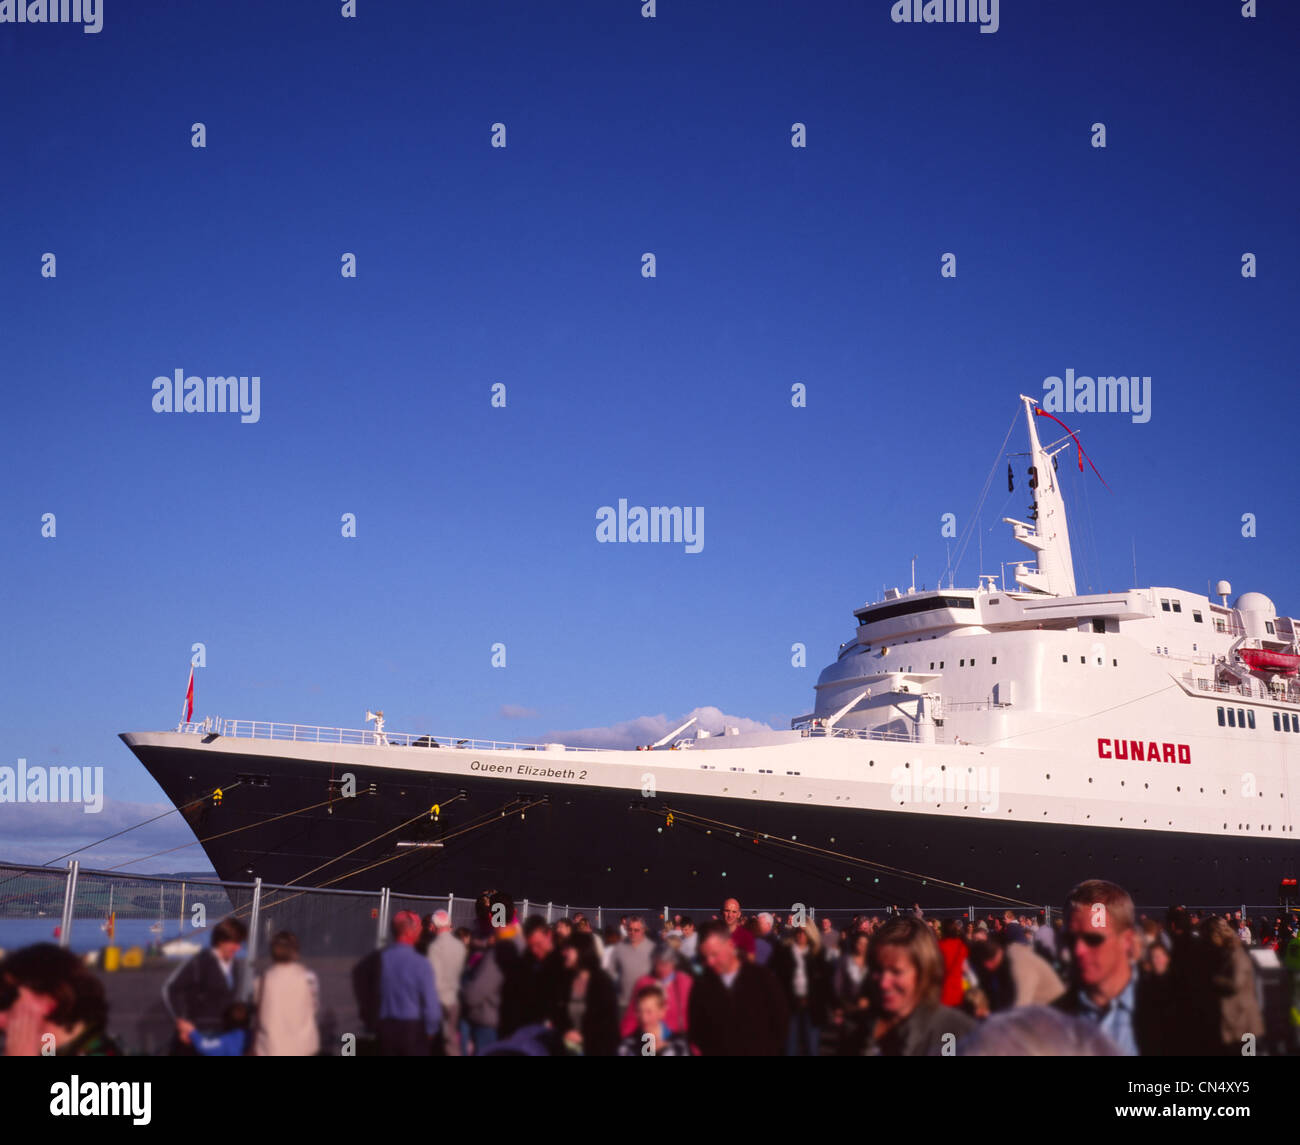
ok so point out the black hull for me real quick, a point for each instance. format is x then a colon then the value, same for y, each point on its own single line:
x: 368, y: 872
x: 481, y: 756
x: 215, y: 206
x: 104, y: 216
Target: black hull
x: 604, y: 846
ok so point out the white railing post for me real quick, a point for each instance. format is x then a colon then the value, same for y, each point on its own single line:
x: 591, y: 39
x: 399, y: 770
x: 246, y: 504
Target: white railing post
x: 254, y: 917
x: 382, y: 926
x: 69, y: 903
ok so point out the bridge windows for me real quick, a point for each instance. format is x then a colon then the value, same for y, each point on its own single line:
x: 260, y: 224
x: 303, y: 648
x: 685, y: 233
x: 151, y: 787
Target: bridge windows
x: 1178, y: 606
x: 1196, y: 616
x: 1164, y: 605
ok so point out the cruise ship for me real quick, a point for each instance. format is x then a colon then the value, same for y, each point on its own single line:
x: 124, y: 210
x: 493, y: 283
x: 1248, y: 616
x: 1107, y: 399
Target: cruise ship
x: 983, y: 746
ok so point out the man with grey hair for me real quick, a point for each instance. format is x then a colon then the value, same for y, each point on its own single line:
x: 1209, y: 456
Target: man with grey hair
x: 631, y: 961
x: 1036, y: 1032
x: 765, y: 939
x: 447, y: 955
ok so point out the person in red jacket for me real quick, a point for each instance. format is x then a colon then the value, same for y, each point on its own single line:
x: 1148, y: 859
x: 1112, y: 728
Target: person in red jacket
x: 741, y: 935
x: 954, y: 950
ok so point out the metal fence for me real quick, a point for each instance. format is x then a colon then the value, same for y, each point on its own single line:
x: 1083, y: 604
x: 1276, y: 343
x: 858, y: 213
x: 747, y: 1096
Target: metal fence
x: 88, y: 910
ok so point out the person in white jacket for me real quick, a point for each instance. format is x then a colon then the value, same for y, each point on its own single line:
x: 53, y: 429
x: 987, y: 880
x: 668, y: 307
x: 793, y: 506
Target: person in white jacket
x: 287, y: 998
x: 447, y: 954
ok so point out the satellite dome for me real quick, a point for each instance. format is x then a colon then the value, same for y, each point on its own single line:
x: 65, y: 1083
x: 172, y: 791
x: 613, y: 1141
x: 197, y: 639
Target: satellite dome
x: 1255, y: 602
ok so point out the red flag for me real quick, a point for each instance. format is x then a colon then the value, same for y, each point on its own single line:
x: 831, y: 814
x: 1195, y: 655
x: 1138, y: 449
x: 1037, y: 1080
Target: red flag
x: 1077, y: 446
x: 189, y: 697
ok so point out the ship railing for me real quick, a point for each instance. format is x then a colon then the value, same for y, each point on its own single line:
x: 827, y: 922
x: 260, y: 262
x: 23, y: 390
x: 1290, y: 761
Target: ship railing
x: 305, y: 733
x: 1288, y: 695
x: 812, y: 728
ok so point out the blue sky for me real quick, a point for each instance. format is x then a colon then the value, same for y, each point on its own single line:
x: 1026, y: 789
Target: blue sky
x: 522, y: 265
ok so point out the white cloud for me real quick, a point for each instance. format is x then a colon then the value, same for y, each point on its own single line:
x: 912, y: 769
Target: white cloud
x: 647, y: 729
x: 515, y: 712
x: 35, y: 833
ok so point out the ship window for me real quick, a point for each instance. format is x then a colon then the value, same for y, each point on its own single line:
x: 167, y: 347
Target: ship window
x: 1164, y: 605
x: 909, y: 607
x: 1277, y: 722
x: 1268, y: 624
x: 1196, y: 616
x: 995, y: 659
x: 1241, y: 718
x: 1250, y: 717
x: 1065, y: 659
x: 1099, y: 626
x: 940, y: 663
x: 972, y: 663
x: 1114, y: 663
x: 1232, y: 718
x: 1178, y: 606
x: 1218, y: 624
x: 1286, y: 721
x: 931, y: 665
x: 1083, y: 659
x: 1220, y: 717
x: 961, y: 663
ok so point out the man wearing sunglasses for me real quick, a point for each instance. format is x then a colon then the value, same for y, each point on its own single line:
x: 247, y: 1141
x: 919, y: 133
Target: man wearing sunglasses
x: 1105, y: 988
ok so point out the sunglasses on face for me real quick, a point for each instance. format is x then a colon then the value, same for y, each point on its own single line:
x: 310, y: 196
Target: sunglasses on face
x: 1088, y: 938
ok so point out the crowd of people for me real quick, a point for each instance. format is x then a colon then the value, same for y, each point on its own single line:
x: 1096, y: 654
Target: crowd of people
x: 1097, y: 979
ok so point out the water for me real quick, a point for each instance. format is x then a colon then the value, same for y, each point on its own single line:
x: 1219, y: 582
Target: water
x: 16, y: 933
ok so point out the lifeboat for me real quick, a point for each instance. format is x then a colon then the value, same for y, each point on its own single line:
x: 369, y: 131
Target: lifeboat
x: 1264, y: 660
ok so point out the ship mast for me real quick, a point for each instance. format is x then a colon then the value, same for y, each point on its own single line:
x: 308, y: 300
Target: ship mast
x: 1048, y: 535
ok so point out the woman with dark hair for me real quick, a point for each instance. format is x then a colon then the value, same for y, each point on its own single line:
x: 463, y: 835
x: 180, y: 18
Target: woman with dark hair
x: 905, y: 978
x: 47, y: 993
x: 590, y: 1018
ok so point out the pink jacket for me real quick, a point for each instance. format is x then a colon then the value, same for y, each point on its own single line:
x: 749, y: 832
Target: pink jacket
x: 676, y: 996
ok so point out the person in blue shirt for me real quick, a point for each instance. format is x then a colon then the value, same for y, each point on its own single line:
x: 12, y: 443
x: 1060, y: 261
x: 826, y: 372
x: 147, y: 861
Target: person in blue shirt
x: 409, y: 1011
x: 1105, y: 989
